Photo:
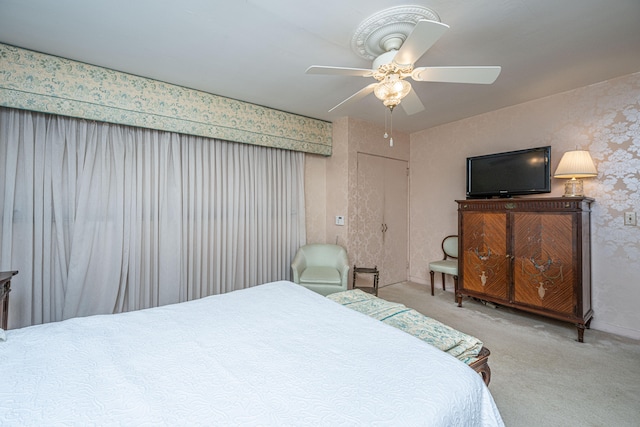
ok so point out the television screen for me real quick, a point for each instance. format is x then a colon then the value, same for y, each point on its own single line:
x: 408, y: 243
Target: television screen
x: 508, y: 174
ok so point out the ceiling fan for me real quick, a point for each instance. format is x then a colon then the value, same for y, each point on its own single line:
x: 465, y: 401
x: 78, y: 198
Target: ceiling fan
x: 396, y: 38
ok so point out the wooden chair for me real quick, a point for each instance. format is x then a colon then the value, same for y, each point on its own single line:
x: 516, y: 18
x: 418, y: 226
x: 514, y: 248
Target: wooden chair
x: 448, y: 264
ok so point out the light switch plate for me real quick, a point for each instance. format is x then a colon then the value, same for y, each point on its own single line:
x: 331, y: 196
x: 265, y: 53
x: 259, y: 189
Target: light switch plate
x: 630, y: 218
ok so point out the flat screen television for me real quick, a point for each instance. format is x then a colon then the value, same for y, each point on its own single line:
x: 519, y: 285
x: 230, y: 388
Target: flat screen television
x: 510, y: 173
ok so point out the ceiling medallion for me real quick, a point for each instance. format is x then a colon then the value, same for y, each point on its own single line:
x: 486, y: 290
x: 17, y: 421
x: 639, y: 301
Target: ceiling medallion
x: 387, y: 29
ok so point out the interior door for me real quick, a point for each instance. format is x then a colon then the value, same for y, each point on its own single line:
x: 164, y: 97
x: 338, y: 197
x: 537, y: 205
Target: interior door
x: 395, y: 236
x: 368, y: 243
x: 381, y: 217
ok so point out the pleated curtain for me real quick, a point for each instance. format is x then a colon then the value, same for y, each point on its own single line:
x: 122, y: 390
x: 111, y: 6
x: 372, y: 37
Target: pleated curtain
x: 101, y: 218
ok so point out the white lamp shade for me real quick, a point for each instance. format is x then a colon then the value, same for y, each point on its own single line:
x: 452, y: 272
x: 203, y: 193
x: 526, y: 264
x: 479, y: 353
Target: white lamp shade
x: 576, y: 164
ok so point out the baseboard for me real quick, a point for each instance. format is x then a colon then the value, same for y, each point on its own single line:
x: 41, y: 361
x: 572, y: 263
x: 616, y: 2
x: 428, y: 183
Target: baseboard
x: 615, y: 329
x: 595, y: 324
x: 427, y: 282
x: 418, y: 280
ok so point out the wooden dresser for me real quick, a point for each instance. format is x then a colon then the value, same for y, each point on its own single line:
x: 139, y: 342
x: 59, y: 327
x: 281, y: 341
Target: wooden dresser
x: 532, y: 254
x: 5, y: 288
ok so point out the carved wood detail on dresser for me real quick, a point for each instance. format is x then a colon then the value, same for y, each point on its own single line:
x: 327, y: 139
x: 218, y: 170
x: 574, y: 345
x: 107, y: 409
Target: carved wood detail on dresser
x: 533, y: 254
x: 5, y: 288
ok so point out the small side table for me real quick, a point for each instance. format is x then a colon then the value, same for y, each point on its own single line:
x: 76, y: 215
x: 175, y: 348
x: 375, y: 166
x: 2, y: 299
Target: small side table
x: 5, y: 288
x: 367, y: 270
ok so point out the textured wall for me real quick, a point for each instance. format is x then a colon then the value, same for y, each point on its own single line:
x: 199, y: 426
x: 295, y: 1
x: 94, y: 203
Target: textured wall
x: 602, y: 118
x: 337, y: 170
x: 315, y: 195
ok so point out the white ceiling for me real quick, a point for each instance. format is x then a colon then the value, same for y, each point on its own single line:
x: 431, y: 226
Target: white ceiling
x: 258, y: 51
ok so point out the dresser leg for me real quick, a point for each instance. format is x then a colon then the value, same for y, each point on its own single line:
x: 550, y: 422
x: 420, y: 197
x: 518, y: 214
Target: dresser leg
x: 580, y: 333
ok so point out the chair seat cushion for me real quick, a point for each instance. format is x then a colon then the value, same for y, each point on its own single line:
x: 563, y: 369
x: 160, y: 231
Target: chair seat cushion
x: 446, y: 267
x: 328, y: 275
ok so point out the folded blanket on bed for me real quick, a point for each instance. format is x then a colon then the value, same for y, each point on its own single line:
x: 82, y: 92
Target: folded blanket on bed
x: 447, y: 339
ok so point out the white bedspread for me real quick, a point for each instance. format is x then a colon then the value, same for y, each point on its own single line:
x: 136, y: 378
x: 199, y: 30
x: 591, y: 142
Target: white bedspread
x: 275, y: 354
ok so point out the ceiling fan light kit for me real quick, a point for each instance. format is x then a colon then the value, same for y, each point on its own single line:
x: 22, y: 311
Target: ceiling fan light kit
x: 391, y: 90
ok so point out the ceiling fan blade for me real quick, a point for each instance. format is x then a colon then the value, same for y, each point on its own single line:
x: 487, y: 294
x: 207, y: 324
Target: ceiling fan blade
x: 480, y: 75
x: 339, y: 71
x: 357, y: 96
x: 411, y: 104
x: 421, y: 38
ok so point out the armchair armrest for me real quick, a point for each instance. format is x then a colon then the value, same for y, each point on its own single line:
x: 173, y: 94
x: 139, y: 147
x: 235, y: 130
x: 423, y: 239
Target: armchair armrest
x: 344, y: 274
x: 298, y: 265
x: 343, y: 267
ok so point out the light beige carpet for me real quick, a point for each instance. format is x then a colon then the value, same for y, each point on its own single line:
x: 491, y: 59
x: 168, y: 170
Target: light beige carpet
x: 541, y: 376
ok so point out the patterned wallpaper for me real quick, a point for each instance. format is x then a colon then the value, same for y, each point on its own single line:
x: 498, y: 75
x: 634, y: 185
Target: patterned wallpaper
x: 44, y: 83
x: 315, y: 195
x: 337, y: 187
x: 602, y: 118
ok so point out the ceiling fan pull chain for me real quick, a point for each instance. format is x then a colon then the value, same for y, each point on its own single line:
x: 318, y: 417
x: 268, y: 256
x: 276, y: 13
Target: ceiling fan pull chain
x: 391, y: 133
x: 386, y: 135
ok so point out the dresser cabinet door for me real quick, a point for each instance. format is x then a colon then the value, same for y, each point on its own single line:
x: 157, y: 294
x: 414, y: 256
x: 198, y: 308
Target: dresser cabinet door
x: 543, y: 273
x: 485, y: 259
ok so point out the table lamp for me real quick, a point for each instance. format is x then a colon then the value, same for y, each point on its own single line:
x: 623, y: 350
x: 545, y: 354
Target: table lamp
x: 574, y: 165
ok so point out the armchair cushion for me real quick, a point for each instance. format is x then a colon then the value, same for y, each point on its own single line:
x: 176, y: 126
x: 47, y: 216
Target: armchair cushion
x: 320, y: 275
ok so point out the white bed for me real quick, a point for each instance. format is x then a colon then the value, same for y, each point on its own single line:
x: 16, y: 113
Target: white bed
x: 275, y: 354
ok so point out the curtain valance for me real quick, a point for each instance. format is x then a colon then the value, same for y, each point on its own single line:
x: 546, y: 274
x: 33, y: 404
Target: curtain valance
x: 44, y: 83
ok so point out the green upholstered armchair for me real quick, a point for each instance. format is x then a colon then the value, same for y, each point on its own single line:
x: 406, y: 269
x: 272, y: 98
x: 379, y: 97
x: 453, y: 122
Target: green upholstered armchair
x: 323, y: 268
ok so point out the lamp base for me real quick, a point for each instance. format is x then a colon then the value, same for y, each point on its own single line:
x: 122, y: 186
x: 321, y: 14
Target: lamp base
x: 573, y: 188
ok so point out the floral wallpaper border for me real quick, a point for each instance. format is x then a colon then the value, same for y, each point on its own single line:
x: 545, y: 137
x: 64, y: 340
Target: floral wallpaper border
x: 39, y: 82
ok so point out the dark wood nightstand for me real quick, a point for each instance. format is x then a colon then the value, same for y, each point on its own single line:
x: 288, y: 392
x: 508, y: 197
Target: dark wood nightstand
x: 5, y: 288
